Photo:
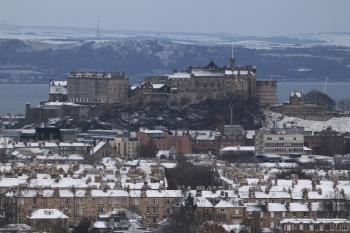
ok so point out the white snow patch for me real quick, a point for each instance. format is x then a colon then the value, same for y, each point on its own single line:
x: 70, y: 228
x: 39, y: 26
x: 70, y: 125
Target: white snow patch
x: 340, y: 124
x: 303, y: 69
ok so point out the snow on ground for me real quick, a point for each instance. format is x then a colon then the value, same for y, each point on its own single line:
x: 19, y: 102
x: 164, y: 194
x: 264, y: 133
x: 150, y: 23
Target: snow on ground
x: 341, y: 124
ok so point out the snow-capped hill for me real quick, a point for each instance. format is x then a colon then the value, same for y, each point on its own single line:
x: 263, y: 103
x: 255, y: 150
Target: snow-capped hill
x: 53, y: 52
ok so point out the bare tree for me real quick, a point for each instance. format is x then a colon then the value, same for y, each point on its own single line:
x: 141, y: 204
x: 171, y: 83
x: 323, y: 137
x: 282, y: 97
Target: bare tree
x: 337, y: 206
x: 211, y: 227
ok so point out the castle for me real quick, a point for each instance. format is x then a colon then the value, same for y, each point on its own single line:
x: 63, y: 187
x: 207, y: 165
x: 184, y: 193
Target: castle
x: 210, y: 81
x: 194, y: 83
x: 191, y: 84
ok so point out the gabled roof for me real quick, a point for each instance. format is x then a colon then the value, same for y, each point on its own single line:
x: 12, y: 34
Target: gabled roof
x: 223, y: 204
x: 211, y: 65
x: 48, y: 214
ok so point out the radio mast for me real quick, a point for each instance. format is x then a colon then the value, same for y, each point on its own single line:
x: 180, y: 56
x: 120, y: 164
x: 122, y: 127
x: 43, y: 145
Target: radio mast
x: 98, y: 32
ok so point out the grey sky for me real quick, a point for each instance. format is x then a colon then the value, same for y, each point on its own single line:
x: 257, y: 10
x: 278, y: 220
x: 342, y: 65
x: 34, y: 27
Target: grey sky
x: 231, y: 16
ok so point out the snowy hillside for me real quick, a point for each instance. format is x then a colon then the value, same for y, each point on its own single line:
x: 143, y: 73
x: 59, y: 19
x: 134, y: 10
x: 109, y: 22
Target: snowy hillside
x: 341, y: 124
x: 37, y: 54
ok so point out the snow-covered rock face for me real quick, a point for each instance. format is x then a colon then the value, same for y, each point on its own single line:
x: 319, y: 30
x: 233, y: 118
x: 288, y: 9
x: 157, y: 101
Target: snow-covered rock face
x: 341, y: 124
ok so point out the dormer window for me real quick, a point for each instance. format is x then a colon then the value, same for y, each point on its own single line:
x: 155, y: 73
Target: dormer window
x: 48, y: 212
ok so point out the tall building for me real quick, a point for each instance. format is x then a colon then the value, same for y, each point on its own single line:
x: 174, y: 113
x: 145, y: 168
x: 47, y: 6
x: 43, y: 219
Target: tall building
x: 280, y: 141
x: 97, y: 87
x: 58, y: 91
x: 266, y: 92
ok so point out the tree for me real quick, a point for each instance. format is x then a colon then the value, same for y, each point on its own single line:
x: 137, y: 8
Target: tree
x: 183, y: 218
x: 187, y: 174
x: 337, y: 206
x: 148, y: 150
x: 211, y: 227
x: 320, y: 99
x: 83, y: 226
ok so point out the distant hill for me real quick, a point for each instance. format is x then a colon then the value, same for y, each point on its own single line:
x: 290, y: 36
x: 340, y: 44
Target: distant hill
x: 30, y: 58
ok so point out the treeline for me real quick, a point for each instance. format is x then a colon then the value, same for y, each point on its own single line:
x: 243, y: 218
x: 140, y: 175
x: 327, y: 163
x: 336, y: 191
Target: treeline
x: 186, y: 174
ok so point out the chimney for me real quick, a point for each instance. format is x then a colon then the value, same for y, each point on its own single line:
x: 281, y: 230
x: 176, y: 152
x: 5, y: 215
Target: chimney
x: 251, y: 192
x: 222, y: 193
x: 56, y: 192
x: 313, y: 185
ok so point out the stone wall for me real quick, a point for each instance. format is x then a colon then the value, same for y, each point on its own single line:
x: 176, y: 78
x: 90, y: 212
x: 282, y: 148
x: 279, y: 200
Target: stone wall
x: 307, y: 112
x: 266, y: 92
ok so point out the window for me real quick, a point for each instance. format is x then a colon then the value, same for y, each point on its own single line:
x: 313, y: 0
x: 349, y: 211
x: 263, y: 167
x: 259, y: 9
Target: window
x: 343, y: 227
x: 295, y: 227
x: 113, y: 200
x: 311, y: 227
x: 321, y: 227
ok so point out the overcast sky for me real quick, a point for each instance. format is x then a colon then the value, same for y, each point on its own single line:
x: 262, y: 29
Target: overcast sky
x: 250, y: 17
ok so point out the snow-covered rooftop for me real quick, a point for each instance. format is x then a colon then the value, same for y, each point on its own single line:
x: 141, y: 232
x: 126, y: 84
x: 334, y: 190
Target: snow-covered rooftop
x: 48, y: 214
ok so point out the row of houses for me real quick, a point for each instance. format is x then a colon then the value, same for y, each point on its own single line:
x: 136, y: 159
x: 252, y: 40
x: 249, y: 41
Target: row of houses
x: 225, y: 206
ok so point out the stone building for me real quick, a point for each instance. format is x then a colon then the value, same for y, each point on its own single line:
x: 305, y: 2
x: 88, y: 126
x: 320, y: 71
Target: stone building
x: 76, y: 204
x: 326, y: 142
x: 266, y: 92
x: 100, y: 151
x: 48, y: 220
x: 280, y: 141
x: 314, y: 225
x: 58, y: 91
x: 126, y: 147
x: 97, y: 87
x: 210, y: 81
x: 48, y: 110
x: 296, y: 107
